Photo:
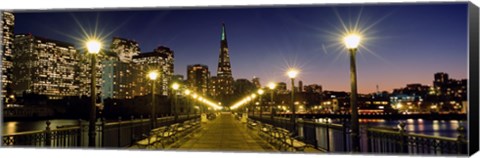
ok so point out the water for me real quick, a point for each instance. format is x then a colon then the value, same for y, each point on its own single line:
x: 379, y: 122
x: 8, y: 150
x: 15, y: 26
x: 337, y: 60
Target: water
x: 10, y: 127
x: 335, y: 140
x: 445, y: 128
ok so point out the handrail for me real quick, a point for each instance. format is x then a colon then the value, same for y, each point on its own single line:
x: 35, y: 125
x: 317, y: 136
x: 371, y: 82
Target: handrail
x: 24, y: 133
x: 433, y: 137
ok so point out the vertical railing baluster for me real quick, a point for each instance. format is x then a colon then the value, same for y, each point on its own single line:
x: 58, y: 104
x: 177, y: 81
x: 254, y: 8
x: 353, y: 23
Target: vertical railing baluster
x: 328, y: 134
x: 119, y: 126
x: 403, y: 138
x: 79, y: 133
x: 369, y: 139
x: 47, y: 135
x: 142, y: 125
x: 461, y: 140
x: 344, y: 128
x: 132, y: 134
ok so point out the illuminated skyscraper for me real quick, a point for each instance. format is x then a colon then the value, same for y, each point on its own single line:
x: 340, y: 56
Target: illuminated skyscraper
x: 212, y: 87
x: 45, y: 67
x: 119, y: 73
x: 224, y: 71
x: 7, y: 24
x: 197, y: 78
x: 161, y: 59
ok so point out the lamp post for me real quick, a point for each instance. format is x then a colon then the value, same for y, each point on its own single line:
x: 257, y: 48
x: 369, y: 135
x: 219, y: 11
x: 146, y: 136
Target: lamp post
x: 260, y: 93
x: 271, y: 86
x: 93, y: 47
x: 351, y: 42
x: 187, y: 92
x: 153, y: 75
x: 175, y: 87
x: 252, y: 102
x: 249, y: 103
x: 292, y: 73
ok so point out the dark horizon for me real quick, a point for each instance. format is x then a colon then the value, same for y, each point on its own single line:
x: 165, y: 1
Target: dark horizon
x: 406, y: 43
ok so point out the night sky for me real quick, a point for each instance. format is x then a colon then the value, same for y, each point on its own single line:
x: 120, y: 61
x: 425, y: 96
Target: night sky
x: 403, y: 43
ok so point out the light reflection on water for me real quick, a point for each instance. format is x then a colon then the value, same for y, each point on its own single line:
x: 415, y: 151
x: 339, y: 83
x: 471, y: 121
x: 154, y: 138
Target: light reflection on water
x: 11, y: 127
x: 419, y: 126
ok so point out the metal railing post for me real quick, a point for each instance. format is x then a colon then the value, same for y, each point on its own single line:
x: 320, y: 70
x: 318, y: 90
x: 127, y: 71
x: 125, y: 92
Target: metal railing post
x: 132, y: 133
x: 102, y: 132
x: 119, y: 136
x: 369, y: 139
x: 345, y: 132
x: 48, y: 134
x: 79, y: 134
x: 143, y: 126
x: 403, y: 137
x: 328, y: 134
x: 462, y: 147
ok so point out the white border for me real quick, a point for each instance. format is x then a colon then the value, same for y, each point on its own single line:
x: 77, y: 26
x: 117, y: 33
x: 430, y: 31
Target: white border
x: 65, y: 4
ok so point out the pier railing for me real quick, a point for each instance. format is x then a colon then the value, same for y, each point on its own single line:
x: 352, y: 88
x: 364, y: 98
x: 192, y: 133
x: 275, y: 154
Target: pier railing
x: 121, y: 133
x: 331, y: 137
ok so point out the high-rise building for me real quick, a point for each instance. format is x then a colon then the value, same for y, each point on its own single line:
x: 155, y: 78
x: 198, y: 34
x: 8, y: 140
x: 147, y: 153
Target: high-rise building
x: 213, y: 87
x: 7, y: 24
x: 197, y: 78
x: 45, y: 67
x: 256, y: 82
x: 313, y: 88
x: 119, y: 73
x: 243, y: 87
x: 440, y: 82
x: 282, y: 87
x: 160, y: 59
x: 224, y: 71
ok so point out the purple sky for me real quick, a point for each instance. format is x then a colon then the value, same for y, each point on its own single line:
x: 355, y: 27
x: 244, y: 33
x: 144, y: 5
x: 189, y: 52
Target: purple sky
x: 403, y: 43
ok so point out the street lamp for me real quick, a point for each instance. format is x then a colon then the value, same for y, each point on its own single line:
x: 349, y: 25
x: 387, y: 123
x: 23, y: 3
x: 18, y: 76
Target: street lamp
x: 187, y: 92
x: 292, y: 73
x: 153, y: 75
x: 93, y: 48
x: 271, y: 86
x: 260, y: 93
x: 352, y: 42
x: 175, y: 87
x: 252, y: 104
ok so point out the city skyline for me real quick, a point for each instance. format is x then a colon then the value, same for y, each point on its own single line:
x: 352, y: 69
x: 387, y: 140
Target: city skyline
x: 275, y: 38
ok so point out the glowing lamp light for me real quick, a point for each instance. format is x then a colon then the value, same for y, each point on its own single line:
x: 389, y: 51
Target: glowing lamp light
x: 271, y: 85
x: 260, y: 91
x: 153, y: 75
x: 292, y: 73
x: 187, y: 92
x: 94, y: 46
x: 175, y: 86
x: 352, y: 41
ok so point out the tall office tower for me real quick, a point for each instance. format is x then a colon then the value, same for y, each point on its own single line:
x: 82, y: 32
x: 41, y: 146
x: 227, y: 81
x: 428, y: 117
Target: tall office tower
x: 197, y: 78
x: 119, y: 72
x: 256, y: 82
x: 440, y: 83
x: 213, y: 87
x: 224, y: 71
x: 161, y: 60
x: 45, y: 67
x: 7, y: 24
